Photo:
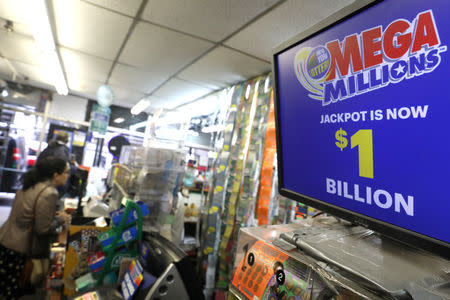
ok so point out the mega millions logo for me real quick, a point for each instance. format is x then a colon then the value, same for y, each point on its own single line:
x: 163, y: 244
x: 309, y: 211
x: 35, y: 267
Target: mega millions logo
x: 372, y: 59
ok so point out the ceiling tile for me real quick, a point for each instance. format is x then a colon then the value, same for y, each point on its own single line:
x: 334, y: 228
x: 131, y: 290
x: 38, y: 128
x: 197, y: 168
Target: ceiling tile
x: 33, y: 72
x: 85, y: 66
x: 176, y: 92
x: 281, y: 24
x: 128, y: 7
x: 223, y: 67
x: 90, y: 29
x: 20, y: 48
x: 18, y: 28
x: 204, y: 106
x: 4, y: 70
x: 135, y: 79
x: 211, y: 19
x: 126, y: 97
x: 13, y: 10
x: 160, y: 50
x: 82, y: 86
x: 155, y: 104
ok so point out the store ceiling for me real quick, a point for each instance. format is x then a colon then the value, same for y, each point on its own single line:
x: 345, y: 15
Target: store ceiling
x: 173, y: 51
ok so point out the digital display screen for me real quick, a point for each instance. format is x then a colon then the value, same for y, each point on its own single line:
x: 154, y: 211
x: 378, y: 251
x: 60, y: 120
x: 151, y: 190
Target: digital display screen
x: 363, y: 115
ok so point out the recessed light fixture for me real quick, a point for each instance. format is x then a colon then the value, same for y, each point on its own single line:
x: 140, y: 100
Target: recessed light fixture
x: 5, y: 93
x: 119, y: 120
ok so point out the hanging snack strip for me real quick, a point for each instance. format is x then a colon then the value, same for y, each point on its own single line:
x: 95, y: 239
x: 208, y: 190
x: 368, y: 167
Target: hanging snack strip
x: 220, y: 193
x: 235, y: 180
x: 249, y: 189
x: 253, y: 161
x: 217, y: 190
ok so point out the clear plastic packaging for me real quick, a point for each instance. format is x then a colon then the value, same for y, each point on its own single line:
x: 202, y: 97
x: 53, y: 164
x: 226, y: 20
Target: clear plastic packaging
x: 157, y: 175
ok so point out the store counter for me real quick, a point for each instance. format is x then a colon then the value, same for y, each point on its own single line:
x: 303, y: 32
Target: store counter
x: 325, y: 259
x: 166, y: 269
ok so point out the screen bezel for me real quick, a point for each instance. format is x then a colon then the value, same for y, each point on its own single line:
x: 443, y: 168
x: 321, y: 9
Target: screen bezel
x: 412, y: 238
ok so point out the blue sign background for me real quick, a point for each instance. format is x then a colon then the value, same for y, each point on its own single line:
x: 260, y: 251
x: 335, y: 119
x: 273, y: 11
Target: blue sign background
x: 411, y: 156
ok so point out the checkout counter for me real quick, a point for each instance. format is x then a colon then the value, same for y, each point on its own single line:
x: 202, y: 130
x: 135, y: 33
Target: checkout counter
x: 136, y: 262
x: 167, y: 271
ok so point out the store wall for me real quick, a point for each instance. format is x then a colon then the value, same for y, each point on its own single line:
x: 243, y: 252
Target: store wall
x: 69, y: 107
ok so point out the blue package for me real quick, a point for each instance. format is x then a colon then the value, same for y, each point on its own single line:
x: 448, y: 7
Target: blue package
x: 126, y: 236
x: 132, y: 280
x: 148, y: 281
x: 116, y: 216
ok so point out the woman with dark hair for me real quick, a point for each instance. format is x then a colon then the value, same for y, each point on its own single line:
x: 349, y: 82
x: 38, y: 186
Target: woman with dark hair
x: 32, y: 221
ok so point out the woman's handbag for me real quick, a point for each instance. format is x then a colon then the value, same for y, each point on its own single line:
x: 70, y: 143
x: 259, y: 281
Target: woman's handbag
x: 34, y: 269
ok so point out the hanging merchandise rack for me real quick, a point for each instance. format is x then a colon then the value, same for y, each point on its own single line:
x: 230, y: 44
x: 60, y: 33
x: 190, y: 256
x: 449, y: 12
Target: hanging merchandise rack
x: 120, y: 239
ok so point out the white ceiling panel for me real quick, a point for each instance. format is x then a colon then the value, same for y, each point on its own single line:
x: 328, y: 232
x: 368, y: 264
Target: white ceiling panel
x: 20, y: 48
x: 34, y: 72
x: 87, y: 88
x: 223, y: 67
x: 281, y: 24
x: 18, y: 28
x: 176, y: 92
x: 14, y: 10
x: 4, y: 70
x: 85, y: 66
x: 136, y: 79
x: 126, y: 97
x: 90, y: 29
x: 160, y: 50
x: 204, y: 106
x: 128, y: 7
x: 155, y: 104
x: 210, y: 19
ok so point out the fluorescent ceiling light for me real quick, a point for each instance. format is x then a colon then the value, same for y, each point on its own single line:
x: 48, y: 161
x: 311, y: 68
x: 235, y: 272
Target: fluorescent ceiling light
x: 5, y: 93
x: 140, y: 106
x: 43, y: 35
x: 119, y: 120
x: 213, y: 128
x: 57, y: 72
